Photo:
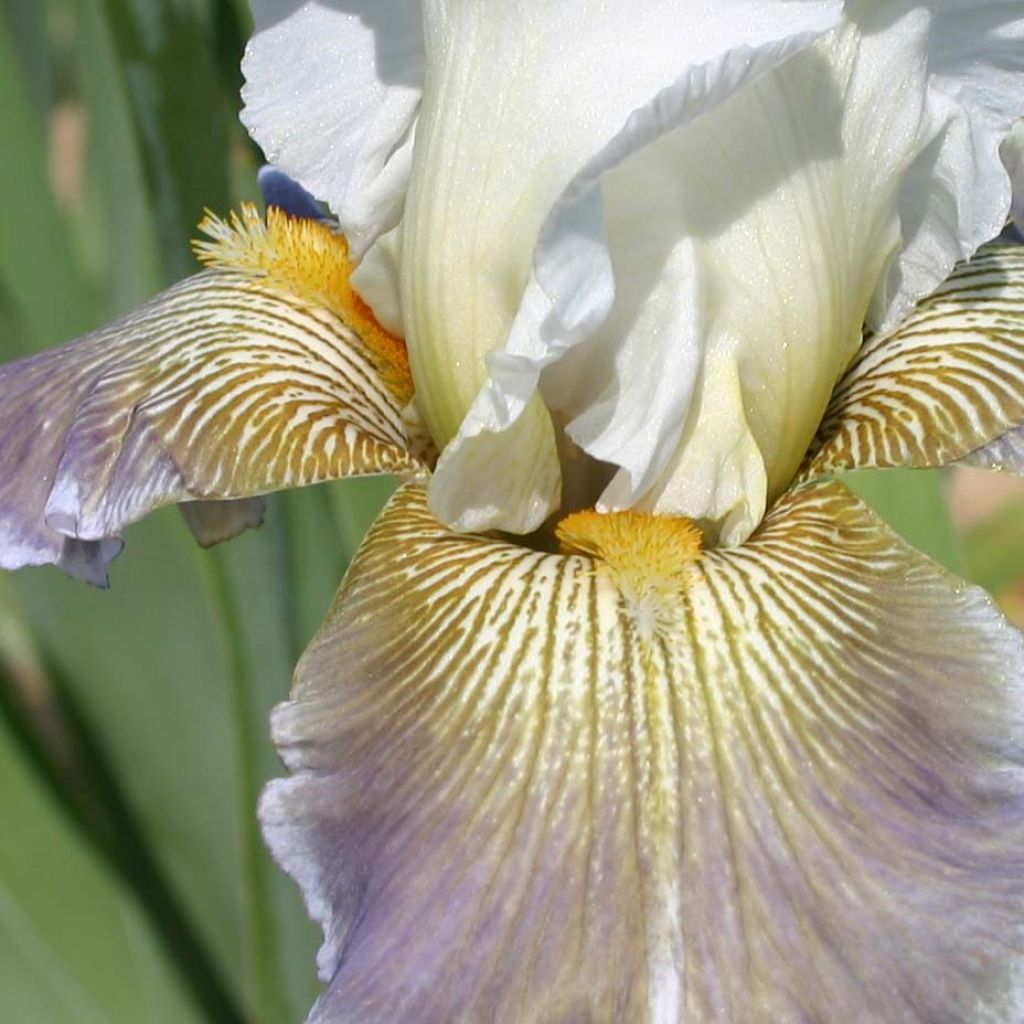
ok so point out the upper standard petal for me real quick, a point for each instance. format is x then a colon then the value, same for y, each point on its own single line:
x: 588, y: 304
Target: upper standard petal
x: 331, y: 95
x: 683, y: 263
x: 516, y: 118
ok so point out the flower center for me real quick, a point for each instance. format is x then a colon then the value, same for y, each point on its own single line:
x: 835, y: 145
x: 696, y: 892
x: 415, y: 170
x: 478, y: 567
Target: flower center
x: 642, y: 550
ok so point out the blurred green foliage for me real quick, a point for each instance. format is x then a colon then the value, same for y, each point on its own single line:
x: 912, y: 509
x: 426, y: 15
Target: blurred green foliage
x: 134, y: 885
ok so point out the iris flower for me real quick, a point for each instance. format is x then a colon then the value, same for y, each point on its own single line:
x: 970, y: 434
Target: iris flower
x: 626, y: 710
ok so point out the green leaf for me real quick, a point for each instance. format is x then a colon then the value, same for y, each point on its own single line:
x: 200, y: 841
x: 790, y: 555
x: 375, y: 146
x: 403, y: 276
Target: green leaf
x: 186, y: 122
x: 118, y: 208
x: 912, y: 502
x: 994, y: 550
x: 148, y: 664
x: 26, y: 22
x: 43, y: 282
x: 74, y: 946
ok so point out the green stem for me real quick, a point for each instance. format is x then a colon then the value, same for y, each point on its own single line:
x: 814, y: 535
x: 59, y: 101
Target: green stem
x: 68, y: 754
x: 284, y: 532
x: 272, y: 1002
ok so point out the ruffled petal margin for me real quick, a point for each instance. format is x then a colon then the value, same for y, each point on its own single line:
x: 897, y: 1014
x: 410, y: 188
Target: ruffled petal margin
x: 947, y: 385
x: 226, y: 386
x: 785, y: 784
x: 331, y: 95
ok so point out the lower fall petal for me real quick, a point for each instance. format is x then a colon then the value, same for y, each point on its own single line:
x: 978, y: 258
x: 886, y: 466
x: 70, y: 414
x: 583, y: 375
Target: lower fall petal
x: 778, y: 782
x: 946, y: 385
x: 262, y: 373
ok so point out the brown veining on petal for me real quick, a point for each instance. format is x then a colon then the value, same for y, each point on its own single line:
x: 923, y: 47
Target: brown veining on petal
x: 945, y: 385
x: 510, y: 801
x: 311, y: 260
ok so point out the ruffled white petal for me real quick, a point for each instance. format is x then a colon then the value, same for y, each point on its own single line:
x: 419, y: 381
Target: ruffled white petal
x: 831, y: 189
x: 526, y: 106
x: 1013, y: 158
x: 955, y: 194
x: 331, y: 94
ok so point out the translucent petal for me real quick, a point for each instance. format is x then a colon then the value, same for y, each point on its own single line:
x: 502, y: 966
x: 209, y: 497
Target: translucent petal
x: 779, y: 782
x: 213, y: 522
x: 955, y: 194
x: 225, y: 386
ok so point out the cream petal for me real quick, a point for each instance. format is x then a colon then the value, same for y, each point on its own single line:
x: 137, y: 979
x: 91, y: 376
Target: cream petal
x: 225, y: 386
x: 1013, y: 157
x: 835, y: 188
x: 331, y: 95
x: 781, y: 782
x: 503, y: 479
x: 947, y: 384
x: 490, y: 178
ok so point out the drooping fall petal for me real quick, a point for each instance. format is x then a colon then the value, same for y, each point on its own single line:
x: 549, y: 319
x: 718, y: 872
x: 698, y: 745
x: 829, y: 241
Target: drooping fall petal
x: 773, y: 783
x: 261, y: 374
x: 947, y: 384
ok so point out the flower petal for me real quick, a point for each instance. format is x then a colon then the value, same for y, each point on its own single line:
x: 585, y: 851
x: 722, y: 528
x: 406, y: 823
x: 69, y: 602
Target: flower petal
x: 331, y: 96
x: 490, y: 179
x: 943, y: 385
x: 287, y: 194
x: 224, y: 386
x: 213, y: 522
x: 1013, y: 157
x: 955, y: 194
x: 775, y: 781
x: 833, y: 189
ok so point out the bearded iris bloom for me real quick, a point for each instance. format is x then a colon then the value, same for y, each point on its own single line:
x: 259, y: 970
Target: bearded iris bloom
x: 626, y: 709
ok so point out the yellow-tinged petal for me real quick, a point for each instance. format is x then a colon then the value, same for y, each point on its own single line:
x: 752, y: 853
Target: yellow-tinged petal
x: 942, y: 386
x: 309, y: 259
x: 231, y: 384
x: 794, y: 793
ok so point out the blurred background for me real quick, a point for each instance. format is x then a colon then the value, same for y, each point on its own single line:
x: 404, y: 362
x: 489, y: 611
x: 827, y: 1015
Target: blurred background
x: 134, y: 886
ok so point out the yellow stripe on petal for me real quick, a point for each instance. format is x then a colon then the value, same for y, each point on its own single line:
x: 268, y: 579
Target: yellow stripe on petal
x: 947, y: 381
x: 801, y: 799
x: 222, y: 387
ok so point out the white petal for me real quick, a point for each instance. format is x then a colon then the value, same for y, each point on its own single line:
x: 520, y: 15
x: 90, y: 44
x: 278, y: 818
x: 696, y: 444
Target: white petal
x: 835, y: 189
x: 1013, y: 157
x: 514, y: 118
x: 376, y: 281
x: 331, y: 96
x: 955, y: 195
